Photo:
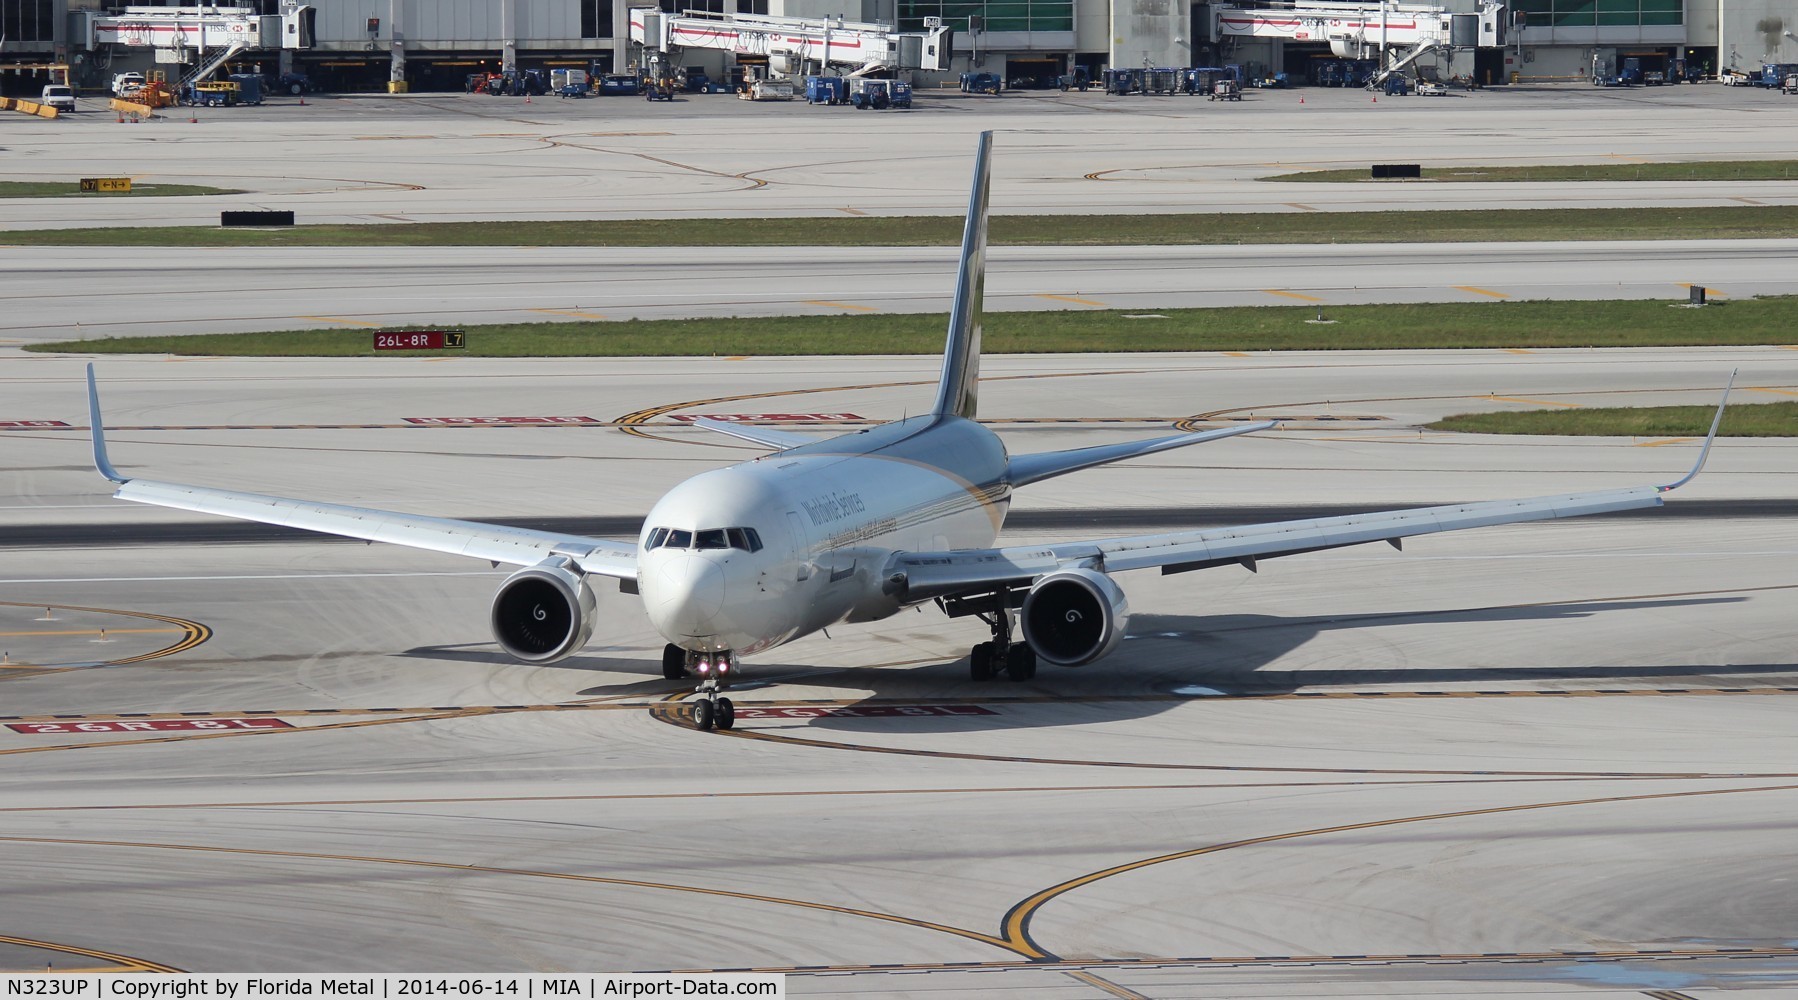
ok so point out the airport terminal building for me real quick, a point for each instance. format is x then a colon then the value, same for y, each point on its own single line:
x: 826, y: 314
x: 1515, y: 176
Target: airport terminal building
x: 441, y: 42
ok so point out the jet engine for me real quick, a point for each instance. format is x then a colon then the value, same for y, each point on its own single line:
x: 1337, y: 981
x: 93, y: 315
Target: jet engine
x: 544, y: 613
x: 1074, y: 616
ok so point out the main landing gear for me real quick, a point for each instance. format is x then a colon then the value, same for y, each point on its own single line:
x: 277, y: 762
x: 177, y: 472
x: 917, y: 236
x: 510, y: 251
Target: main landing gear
x: 1016, y: 659
x: 715, y: 670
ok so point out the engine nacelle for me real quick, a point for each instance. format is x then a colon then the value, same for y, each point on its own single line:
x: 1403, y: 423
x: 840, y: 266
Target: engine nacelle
x: 1074, y: 617
x: 544, y: 613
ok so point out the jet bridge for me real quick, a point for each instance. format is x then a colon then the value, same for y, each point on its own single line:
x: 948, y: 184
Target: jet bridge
x: 1397, y: 34
x: 793, y: 45
x: 204, y: 37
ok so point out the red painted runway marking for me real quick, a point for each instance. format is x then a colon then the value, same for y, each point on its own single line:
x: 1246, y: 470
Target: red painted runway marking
x: 460, y: 421
x: 145, y: 726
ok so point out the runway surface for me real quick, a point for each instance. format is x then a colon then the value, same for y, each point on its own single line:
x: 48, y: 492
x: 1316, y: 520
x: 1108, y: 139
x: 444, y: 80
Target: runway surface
x: 424, y: 158
x: 151, y: 292
x: 1548, y: 760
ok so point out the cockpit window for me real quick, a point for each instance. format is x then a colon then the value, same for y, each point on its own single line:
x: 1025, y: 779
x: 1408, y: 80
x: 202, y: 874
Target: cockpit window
x: 744, y: 539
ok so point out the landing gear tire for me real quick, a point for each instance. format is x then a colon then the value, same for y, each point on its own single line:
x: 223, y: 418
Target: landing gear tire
x: 1015, y: 659
x: 705, y: 716
x: 980, y: 662
x: 674, y: 662
x: 1020, y: 662
x: 725, y: 715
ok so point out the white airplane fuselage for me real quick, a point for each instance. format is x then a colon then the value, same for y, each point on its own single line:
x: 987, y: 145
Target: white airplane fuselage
x: 829, y: 517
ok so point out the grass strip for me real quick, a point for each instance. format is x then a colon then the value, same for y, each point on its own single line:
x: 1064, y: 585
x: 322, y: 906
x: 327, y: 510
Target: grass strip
x: 1721, y: 170
x: 1503, y: 225
x: 72, y: 189
x: 1419, y: 326
x: 1751, y: 420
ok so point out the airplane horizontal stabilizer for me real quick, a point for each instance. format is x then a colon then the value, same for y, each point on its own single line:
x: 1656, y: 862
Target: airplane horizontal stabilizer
x: 776, y: 439
x: 1025, y: 469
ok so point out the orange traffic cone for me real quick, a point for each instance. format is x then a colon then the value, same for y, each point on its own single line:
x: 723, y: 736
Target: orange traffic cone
x: 1301, y: 98
x: 1376, y: 100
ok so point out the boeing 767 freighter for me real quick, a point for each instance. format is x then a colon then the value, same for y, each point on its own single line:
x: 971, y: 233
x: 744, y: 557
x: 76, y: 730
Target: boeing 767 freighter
x: 736, y: 561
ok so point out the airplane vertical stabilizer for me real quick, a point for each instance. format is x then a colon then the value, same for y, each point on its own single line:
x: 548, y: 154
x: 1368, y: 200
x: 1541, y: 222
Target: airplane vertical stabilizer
x: 957, y: 394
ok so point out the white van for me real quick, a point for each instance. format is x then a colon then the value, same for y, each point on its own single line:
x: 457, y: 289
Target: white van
x: 125, y: 84
x: 59, y: 97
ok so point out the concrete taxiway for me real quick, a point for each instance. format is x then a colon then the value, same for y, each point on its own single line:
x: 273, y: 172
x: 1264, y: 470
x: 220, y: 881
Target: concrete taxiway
x: 453, y: 157
x: 1548, y: 760
x: 146, y: 293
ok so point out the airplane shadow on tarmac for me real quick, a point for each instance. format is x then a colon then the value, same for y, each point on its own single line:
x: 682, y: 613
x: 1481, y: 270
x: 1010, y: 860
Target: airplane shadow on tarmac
x: 1225, y: 655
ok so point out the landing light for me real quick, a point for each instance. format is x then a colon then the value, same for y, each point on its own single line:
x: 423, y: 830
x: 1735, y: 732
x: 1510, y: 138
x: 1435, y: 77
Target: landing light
x: 705, y: 667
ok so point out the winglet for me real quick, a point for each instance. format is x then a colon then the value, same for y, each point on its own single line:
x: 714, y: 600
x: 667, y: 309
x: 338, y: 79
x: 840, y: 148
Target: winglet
x: 1716, y: 422
x: 957, y: 394
x: 101, y: 462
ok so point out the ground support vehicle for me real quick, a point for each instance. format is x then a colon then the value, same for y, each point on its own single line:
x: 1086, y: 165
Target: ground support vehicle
x: 1790, y: 86
x: 879, y: 95
x: 1397, y: 86
x: 619, y: 85
x: 249, y: 87
x: 828, y: 90
x: 1610, y: 73
x: 214, y: 94
x: 126, y: 84
x: 1077, y: 80
x: 1201, y: 79
x: 766, y: 90
x: 1430, y: 88
x: 291, y: 84
x: 155, y: 94
x: 58, y: 96
x: 980, y: 83
x: 697, y: 81
x: 1773, y: 75
x: 1161, y: 81
x: 1225, y: 90
x: 659, y: 88
x: 569, y: 82
x: 1123, y: 82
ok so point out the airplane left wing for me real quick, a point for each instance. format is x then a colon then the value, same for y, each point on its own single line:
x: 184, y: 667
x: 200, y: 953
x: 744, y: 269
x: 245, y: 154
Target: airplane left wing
x: 924, y: 575
x: 495, y: 543
x: 920, y: 576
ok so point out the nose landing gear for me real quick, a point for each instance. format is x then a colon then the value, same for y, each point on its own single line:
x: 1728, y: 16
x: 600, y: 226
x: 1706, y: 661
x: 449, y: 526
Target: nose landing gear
x: 987, y: 659
x: 715, y: 670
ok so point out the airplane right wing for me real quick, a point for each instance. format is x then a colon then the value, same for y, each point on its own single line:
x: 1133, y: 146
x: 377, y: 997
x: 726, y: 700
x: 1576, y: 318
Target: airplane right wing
x: 921, y: 576
x: 493, y: 542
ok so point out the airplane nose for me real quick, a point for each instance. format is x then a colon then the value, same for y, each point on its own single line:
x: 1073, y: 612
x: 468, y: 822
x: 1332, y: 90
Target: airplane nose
x: 690, y: 592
